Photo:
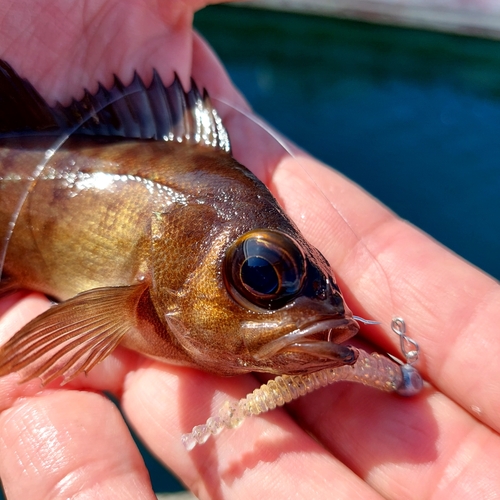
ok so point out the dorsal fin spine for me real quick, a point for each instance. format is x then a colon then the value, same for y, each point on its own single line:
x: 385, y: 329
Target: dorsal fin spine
x: 133, y: 111
x: 157, y: 94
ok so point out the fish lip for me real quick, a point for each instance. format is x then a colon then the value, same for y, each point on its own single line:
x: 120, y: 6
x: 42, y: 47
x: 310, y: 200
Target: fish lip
x: 328, y: 324
x: 304, y: 331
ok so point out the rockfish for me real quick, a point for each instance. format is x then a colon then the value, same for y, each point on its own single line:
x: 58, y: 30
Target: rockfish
x: 127, y: 209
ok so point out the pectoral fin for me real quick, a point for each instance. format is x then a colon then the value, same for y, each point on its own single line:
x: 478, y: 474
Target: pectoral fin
x: 73, y: 336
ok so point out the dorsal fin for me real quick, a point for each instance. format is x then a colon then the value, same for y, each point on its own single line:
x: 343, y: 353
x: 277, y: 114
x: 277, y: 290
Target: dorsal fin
x: 133, y: 111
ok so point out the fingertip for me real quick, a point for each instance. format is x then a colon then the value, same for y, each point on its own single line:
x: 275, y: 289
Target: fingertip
x: 66, y: 443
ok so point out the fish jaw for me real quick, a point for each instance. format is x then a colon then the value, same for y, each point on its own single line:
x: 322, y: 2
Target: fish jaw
x: 308, y: 334
x: 306, y: 346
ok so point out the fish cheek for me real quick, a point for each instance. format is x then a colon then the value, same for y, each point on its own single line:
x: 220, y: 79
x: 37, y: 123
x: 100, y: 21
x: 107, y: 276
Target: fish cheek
x: 187, y: 292
x: 222, y: 335
x: 217, y: 320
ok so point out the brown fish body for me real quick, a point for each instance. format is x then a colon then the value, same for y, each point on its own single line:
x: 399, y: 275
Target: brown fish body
x: 172, y: 249
x: 89, y: 219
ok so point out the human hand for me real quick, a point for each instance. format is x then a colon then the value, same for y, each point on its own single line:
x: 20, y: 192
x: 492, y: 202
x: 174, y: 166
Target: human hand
x: 56, y: 442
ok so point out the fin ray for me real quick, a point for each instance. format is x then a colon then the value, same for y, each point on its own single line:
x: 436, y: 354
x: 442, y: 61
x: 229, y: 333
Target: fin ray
x: 72, y: 337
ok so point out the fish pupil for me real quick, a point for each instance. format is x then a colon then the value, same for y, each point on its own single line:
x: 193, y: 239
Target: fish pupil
x: 260, y: 275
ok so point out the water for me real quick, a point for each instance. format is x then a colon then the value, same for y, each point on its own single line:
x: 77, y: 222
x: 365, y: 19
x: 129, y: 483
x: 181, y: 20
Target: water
x: 410, y: 115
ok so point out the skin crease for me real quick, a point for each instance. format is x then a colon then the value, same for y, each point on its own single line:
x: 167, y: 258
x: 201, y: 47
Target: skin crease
x: 71, y: 442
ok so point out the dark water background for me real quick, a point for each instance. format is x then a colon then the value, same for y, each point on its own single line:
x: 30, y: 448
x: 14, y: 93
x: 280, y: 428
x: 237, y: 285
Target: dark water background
x: 412, y: 116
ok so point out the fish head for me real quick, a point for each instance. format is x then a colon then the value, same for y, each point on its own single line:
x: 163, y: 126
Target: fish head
x: 298, y: 315
x: 264, y: 300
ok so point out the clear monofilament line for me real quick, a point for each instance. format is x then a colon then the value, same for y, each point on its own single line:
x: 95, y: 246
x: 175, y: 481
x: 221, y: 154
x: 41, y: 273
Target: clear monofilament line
x: 373, y: 370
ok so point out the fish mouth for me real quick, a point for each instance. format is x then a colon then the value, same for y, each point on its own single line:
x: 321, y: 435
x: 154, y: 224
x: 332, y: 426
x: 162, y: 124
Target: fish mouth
x: 302, y: 340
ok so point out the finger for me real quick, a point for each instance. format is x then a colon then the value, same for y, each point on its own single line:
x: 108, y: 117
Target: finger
x: 53, y: 446
x: 267, y: 457
x: 388, y: 268
x: 17, y: 309
x: 51, y: 443
x: 421, y: 447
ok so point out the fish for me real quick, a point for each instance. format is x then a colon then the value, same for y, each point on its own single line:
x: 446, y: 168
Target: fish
x: 127, y: 209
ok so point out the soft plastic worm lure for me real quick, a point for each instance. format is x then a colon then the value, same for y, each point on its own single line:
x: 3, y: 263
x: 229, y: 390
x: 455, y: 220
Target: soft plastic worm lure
x: 372, y: 370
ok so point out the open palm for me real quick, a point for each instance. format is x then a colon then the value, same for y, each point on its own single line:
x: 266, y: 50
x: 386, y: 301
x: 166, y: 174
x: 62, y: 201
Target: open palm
x: 340, y: 442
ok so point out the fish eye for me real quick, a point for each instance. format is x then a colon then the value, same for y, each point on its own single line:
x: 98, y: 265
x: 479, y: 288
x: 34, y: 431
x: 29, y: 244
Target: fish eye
x: 265, y: 268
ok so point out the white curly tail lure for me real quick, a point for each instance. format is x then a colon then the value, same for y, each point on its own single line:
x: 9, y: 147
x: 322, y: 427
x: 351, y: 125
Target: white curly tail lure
x: 372, y: 370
